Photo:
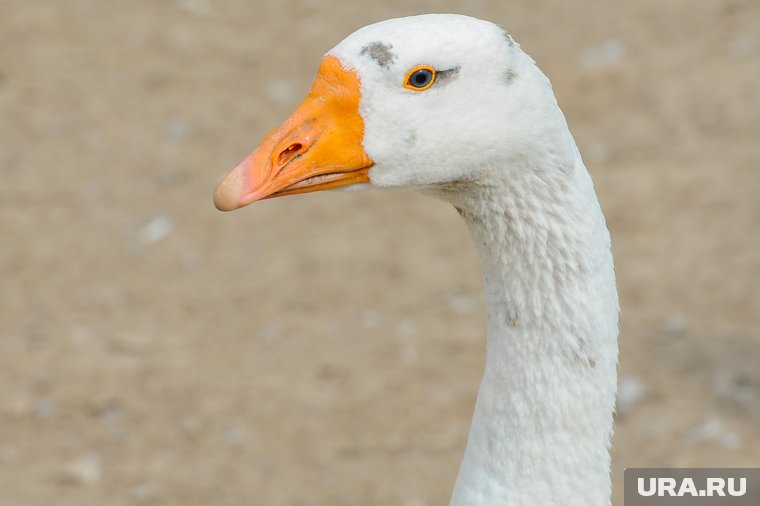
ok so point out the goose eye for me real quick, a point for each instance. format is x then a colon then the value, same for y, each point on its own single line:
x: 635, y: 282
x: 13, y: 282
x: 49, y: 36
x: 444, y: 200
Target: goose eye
x: 420, y: 78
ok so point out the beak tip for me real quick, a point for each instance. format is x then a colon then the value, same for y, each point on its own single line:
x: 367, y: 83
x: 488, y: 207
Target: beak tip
x: 229, y: 190
x: 223, y: 205
x: 224, y: 200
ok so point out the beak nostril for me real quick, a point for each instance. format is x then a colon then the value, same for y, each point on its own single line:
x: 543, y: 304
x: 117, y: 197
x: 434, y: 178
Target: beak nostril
x: 289, y: 153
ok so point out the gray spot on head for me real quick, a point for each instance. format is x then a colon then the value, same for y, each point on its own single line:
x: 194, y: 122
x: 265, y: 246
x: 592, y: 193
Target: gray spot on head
x: 511, y: 76
x: 443, y: 76
x: 380, y: 52
x: 511, y: 73
x: 507, y: 36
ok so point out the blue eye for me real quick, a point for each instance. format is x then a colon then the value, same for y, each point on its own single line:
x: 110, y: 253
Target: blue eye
x: 420, y: 78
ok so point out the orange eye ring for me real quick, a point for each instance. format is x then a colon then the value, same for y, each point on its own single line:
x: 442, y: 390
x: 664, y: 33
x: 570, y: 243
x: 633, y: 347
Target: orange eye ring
x: 420, y: 78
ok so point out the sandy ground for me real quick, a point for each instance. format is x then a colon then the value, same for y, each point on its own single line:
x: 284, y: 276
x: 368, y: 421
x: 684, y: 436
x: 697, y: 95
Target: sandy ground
x: 326, y: 350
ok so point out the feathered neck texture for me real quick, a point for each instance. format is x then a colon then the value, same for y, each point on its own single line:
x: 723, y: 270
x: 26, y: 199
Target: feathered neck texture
x: 543, y: 418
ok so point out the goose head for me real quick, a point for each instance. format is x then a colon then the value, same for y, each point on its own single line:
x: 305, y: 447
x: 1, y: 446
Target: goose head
x: 413, y: 102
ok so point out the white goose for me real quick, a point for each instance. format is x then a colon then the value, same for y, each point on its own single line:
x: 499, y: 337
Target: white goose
x: 451, y: 106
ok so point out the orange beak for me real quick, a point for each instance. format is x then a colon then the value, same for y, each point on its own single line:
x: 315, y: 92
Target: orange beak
x: 318, y: 147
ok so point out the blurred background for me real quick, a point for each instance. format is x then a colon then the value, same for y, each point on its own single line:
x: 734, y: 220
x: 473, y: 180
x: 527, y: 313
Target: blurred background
x: 326, y: 349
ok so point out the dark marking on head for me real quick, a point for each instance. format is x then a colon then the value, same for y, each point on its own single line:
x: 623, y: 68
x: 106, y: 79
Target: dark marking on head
x: 507, y: 36
x: 380, y: 52
x: 511, y: 76
x: 444, y: 76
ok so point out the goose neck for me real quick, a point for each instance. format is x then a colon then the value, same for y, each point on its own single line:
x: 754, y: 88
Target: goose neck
x: 543, y: 417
